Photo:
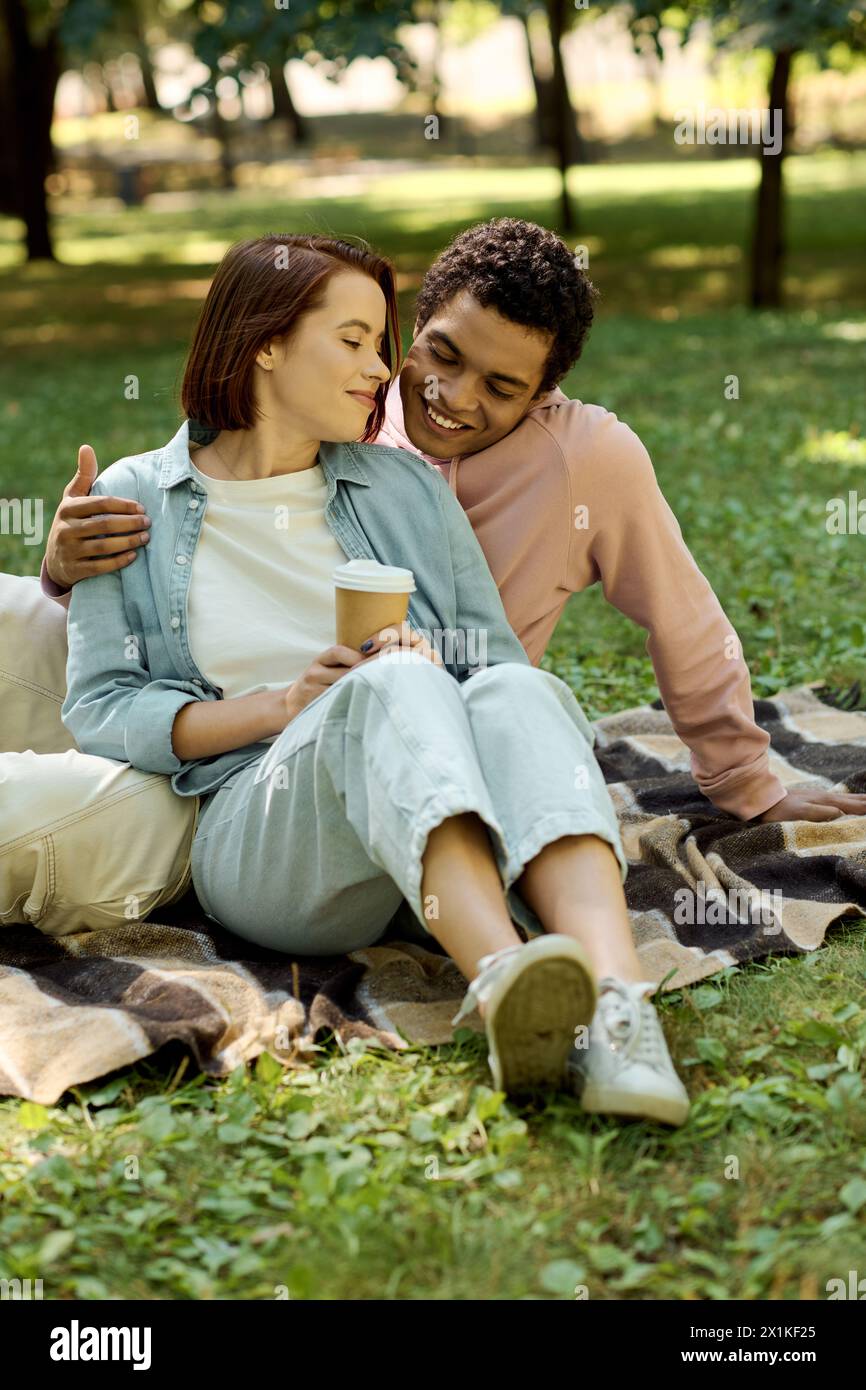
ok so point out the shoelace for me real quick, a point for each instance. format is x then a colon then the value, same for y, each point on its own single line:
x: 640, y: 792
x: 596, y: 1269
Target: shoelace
x: 631, y: 1023
x: 489, y: 969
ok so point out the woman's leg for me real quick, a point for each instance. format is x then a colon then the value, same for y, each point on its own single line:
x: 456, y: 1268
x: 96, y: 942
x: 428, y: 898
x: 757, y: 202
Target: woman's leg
x: 574, y: 887
x: 462, y: 880
x: 566, y: 862
x: 566, y: 865
x: 370, y: 795
x: 374, y: 793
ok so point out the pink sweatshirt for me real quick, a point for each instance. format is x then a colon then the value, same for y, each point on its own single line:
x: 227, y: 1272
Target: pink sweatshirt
x: 570, y: 497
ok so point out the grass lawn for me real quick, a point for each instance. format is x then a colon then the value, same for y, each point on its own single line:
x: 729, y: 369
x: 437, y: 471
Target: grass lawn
x: 372, y: 1175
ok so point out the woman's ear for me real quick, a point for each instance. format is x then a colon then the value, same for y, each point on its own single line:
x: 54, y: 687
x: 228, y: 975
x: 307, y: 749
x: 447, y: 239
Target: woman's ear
x: 265, y: 357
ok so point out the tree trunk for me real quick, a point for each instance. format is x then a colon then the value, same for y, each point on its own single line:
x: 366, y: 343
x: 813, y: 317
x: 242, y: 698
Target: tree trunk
x: 221, y: 130
x: 768, y: 245
x: 285, y: 109
x: 109, y: 70
x: 547, y: 92
x: 544, y: 125
x: 34, y: 71
x: 435, y: 69
x: 148, y: 82
x: 141, y: 47
x: 565, y: 124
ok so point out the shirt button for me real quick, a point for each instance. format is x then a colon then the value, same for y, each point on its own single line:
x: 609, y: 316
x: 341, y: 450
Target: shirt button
x: 181, y: 560
x: 175, y: 622
x: 194, y: 503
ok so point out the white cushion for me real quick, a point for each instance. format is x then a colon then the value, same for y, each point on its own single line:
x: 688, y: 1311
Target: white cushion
x: 32, y: 668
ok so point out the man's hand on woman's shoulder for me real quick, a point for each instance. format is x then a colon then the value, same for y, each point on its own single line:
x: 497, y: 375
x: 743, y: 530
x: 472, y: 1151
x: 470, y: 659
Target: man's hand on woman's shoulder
x: 92, y: 535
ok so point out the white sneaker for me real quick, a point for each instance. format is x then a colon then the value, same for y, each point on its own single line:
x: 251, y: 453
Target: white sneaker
x: 626, y: 1069
x: 535, y: 995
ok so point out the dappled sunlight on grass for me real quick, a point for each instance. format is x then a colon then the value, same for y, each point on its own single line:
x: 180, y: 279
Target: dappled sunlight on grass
x: 686, y: 257
x: 838, y: 447
x: 664, y: 239
x: 847, y: 331
x: 156, y: 293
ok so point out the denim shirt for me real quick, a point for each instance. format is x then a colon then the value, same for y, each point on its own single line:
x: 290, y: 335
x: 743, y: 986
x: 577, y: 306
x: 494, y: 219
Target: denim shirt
x: 129, y: 668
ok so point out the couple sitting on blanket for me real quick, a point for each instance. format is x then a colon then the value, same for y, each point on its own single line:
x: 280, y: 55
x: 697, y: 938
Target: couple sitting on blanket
x: 328, y: 786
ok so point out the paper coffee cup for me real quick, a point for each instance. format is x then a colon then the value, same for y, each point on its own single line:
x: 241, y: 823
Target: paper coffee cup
x: 370, y: 596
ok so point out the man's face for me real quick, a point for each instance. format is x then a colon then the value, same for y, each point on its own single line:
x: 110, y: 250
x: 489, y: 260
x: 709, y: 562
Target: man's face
x: 472, y: 368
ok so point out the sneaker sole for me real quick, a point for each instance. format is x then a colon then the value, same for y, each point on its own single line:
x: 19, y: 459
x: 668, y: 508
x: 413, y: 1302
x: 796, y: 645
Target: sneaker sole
x: 531, y: 1019
x: 666, y: 1110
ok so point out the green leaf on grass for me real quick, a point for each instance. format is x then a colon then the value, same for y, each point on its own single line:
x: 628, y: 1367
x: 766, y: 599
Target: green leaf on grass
x: 32, y: 1116
x: 268, y: 1069
x: 302, y: 1123
x: 711, y: 1050
x: 706, y: 997
x: 561, y: 1276
x: 813, y: 1030
x: 853, y: 1194
x: 55, y: 1244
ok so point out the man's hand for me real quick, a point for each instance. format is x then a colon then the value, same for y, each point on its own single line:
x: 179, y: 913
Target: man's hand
x: 92, y: 535
x: 816, y: 805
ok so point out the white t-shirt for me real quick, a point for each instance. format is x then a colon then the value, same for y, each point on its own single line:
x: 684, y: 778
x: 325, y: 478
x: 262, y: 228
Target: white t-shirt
x: 261, y: 599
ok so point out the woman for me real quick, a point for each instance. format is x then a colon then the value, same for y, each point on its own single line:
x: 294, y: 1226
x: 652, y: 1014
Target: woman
x: 336, y: 783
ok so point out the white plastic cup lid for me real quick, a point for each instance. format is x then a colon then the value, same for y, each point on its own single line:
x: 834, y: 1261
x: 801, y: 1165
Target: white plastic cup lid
x: 369, y: 575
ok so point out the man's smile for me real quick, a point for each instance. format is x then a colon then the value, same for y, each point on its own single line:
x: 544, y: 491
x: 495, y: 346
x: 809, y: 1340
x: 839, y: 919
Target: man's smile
x: 439, y: 420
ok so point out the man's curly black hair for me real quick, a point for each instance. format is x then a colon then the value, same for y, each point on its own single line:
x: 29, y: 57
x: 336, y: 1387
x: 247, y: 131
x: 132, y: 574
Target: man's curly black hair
x: 524, y: 272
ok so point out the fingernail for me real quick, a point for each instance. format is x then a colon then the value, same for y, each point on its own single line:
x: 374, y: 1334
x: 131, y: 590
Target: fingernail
x: 365, y: 646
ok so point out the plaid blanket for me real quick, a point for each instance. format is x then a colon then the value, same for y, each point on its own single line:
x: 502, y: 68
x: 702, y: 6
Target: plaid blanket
x: 704, y: 891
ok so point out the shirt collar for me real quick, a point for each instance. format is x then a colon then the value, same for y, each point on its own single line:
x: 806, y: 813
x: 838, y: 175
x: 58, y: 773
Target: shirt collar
x: 338, y: 461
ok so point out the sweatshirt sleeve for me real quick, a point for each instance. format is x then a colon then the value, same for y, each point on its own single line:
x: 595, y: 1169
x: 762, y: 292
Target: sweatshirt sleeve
x: 481, y: 619
x: 52, y: 590
x: 649, y: 574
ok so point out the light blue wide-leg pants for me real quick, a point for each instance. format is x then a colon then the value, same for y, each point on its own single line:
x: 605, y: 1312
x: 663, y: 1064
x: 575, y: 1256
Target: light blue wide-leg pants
x: 313, y: 848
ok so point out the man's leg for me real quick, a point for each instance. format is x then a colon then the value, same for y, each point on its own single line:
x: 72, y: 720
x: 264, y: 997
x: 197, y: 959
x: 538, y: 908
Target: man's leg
x: 32, y: 668
x: 87, y: 842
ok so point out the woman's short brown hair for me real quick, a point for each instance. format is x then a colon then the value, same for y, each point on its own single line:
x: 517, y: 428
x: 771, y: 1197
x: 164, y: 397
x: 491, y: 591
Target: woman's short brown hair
x: 261, y: 288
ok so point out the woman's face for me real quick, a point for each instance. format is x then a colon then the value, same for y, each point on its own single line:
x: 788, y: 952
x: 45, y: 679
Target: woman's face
x: 324, y: 375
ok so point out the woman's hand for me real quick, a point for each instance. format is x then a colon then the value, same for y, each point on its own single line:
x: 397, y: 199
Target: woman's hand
x: 402, y: 638
x: 327, y: 668
x: 337, y: 661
